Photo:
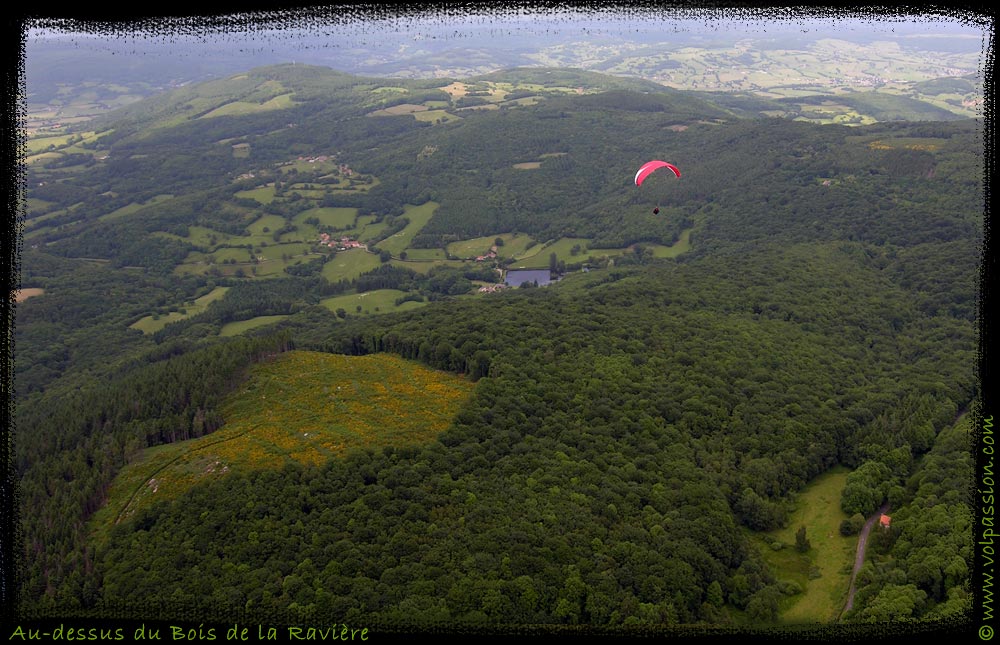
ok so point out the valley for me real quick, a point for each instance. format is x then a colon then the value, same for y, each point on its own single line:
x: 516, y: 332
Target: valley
x: 268, y: 365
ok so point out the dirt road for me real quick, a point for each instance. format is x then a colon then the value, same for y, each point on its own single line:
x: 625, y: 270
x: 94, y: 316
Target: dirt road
x: 859, y: 559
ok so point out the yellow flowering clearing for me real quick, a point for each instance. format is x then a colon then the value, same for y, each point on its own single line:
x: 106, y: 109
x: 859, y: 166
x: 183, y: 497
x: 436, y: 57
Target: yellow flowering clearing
x: 302, y: 406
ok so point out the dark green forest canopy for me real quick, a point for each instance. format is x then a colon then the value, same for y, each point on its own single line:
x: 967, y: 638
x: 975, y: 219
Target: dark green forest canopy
x: 636, y: 413
x: 628, y: 423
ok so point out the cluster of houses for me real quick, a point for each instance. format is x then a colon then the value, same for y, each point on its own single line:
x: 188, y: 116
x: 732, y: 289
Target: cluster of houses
x: 492, y: 255
x: 341, y: 244
x: 344, y: 169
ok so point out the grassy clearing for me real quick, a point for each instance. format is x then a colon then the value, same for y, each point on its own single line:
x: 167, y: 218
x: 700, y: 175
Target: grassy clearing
x: 831, y: 555
x: 40, y: 158
x: 380, y: 301
x: 342, y: 218
x: 240, y: 326
x: 264, y: 194
x: 456, y: 89
x: 149, y: 326
x: 303, y: 406
x: 397, y: 110
x: 537, y: 257
x: 33, y: 205
x: 202, y: 237
x: 298, y: 250
x: 423, y: 266
x: 271, y: 222
x: 244, y: 107
x: 348, y: 265
x: 425, y: 254
x: 432, y: 116
x: 42, y: 143
x: 475, y: 247
x: 368, y: 229
x: 683, y: 245
x: 418, y: 216
x: 219, y: 255
x: 133, y: 207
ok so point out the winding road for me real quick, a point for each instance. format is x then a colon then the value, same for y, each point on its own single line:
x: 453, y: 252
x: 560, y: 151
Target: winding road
x: 859, y: 559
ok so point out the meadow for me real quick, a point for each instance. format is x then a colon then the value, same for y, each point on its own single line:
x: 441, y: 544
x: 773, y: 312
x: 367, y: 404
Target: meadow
x: 824, y: 571
x: 302, y: 406
x: 370, y: 302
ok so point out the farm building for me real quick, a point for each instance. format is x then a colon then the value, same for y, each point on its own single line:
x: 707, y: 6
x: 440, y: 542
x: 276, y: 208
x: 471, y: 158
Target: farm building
x: 538, y: 276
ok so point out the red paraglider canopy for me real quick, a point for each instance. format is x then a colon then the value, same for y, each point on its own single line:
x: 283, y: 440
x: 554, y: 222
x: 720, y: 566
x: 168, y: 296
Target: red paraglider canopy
x: 652, y: 166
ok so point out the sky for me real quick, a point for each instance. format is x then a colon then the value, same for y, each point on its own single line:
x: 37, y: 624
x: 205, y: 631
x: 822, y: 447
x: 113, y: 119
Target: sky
x: 277, y: 29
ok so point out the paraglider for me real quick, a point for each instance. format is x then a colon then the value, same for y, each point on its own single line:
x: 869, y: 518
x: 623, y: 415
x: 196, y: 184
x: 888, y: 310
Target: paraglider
x: 649, y: 168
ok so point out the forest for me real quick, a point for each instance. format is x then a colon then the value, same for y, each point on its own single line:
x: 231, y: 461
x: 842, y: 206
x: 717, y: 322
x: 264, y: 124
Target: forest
x: 632, y: 424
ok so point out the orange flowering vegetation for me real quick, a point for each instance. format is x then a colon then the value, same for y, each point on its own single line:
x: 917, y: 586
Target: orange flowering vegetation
x: 303, y: 406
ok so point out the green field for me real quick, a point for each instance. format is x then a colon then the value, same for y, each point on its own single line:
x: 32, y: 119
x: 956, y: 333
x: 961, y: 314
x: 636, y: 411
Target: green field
x: 683, y: 245
x: 243, y: 107
x: 240, y: 326
x: 514, y: 245
x: 831, y: 555
x: 133, y: 207
x: 41, y: 144
x: 342, y: 218
x: 297, y: 250
x: 432, y: 116
x: 537, y: 257
x: 271, y: 222
x: 418, y: 216
x: 148, y: 325
x: 303, y: 406
x: 423, y: 266
x: 264, y: 194
x: 202, y: 237
x: 380, y: 301
x: 33, y: 204
x: 348, y: 265
x: 425, y: 254
x: 368, y: 228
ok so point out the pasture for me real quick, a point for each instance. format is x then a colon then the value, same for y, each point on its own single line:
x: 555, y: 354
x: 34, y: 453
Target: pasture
x: 263, y: 194
x: 380, y: 301
x: 348, y: 265
x: 418, y: 216
x: 537, y: 257
x: 340, y: 218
